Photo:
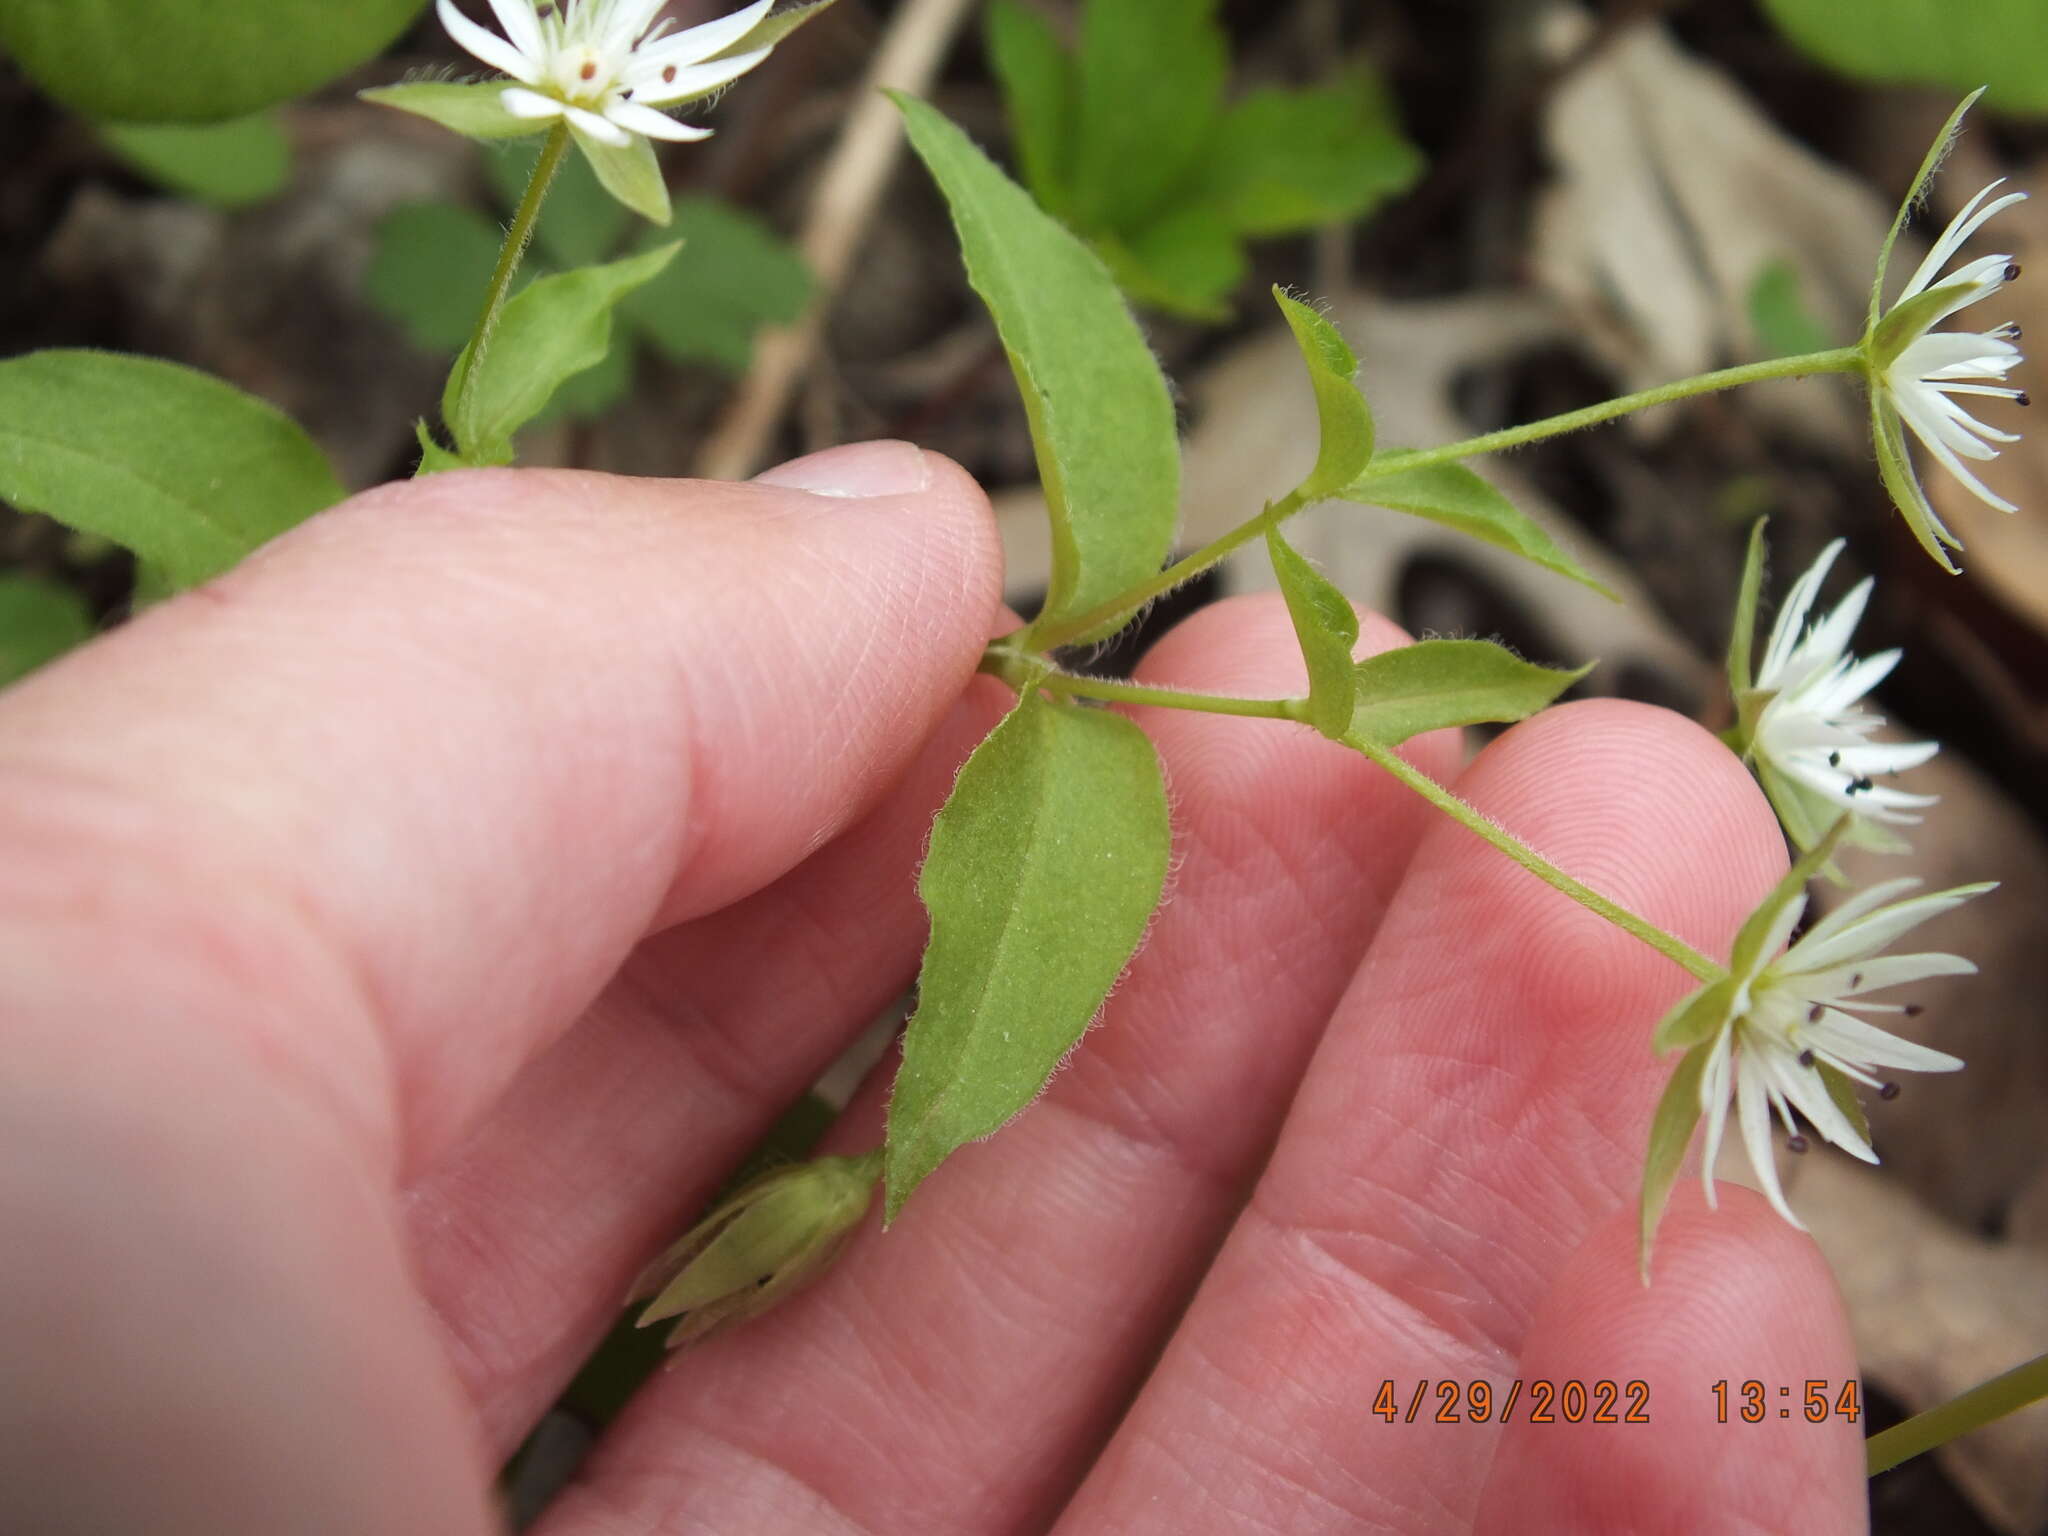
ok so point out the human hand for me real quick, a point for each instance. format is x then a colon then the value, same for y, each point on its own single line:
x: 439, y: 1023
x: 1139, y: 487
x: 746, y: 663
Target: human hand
x: 405, y: 934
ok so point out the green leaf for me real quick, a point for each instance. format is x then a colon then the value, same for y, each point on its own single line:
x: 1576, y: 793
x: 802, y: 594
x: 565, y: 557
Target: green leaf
x: 775, y: 28
x: 39, y: 621
x: 1671, y: 1128
x: 1929, y: 42
x: 475, y: 111
x: 1045, y: 867
x: 735, y: 276
x: 1101, y: 417
x: 1285, y: 161
x: 588, y: 395
x: 1040, y: 88
x: 1454, y: 496
x: 1152, y: 74
x: 230, y: 165
x: 1346, y: 418
x: 554, y: 329
x: 1186, y: 263
x: 193, y: 61
x: 1437, y: 683
x: 1742, y: 639
x: 182, y: 469
x: 630, y: 173
x: 428, y: 271
x: 1778, y: 316
x: 581, y: 222
x: 1327, y: 626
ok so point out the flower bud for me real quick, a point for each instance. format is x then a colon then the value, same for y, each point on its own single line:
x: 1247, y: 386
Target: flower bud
x: 763, y: 1244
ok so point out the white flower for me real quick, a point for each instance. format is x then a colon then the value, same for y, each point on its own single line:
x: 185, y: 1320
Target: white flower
x: 1791, y: 1024
x: 597, y: 64
x: 1810, y: 741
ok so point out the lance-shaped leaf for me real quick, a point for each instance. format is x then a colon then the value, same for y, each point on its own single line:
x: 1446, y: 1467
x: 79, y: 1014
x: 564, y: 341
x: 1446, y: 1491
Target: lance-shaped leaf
x: 1671, y: 1128
x: 1044, y: 869
x: 1101, y: 418
x: 1454, y: 496
x: 1327, y: 626
x: 1152, y: 78
x: 193, y: 61
x: 1345, y: 417
x: 476, y: 111
x: 1437, y: 683
x: 189, y: 473
x: 39, y: 621
x: 230, y: 165
x: 1040, y: 87
x: 554, y: 329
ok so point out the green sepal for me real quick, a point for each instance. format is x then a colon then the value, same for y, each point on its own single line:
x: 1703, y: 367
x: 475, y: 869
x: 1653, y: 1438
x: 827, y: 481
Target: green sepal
x: 553, y: 329
x: 1694, y: 1017
x: 1435, y: 684
x: 1903, y: 324
x: 1895, y: 469
x: 630, y: 173
x: 1327, y: 626
x: 1671, y: 1128
x: 1455, y: 497
x: 433, y: 457
x: 1936, y: 153
x: 476, y: 111
x: 1742, y: 638
x: 1044, y: 869
x: 1345, y: 418
x: 1746, y: 955
x: 1842, y: 1089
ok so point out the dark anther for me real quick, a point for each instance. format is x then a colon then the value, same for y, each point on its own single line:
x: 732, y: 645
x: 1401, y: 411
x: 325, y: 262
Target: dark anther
x: 1795, y: 1143
x: 1834, y: 759
x: 1862, y: 785
x: 1914, y: 1010
x: 1855, y: 980
x: 2012, y: 272
x: 1813, y: 1014
x: 589, y: 70
x: 2023, y: 398
x: 668, y: 75
x: 1888, y: 1091
x: 1806, y: 1058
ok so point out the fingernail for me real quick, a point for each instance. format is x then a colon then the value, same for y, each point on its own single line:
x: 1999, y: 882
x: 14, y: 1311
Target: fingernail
x: 855, y: 471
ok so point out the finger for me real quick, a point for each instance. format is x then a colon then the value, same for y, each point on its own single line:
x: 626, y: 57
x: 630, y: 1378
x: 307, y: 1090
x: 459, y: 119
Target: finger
x: 1741, y: 1300
x: 957, y: 1373
x: 1477, y: 1107
x: 420, y: 774
x: 526, y: 1236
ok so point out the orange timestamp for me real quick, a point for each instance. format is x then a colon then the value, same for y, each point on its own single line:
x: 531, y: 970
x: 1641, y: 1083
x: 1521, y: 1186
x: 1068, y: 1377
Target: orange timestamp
x: 1538, y: 1401
x: 1756, y: 1402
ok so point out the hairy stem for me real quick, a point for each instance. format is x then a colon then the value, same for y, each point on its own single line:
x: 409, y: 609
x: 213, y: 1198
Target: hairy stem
x: 1173, y: 698
x: 1839, y: 360
x: 517, y: 237
x: 1674, y: 949
x: 2016, y: 1389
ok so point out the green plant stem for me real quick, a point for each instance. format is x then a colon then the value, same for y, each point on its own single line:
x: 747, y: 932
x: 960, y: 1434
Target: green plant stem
x: 518, y: 235
x: 2016, y: 1389
x: 1125, y: 604
x: 1674, y: 949
x: 1838, y: 360
x: 1172, y: 698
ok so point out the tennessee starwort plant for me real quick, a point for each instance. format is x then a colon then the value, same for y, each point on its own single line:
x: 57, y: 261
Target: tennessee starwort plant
x: 1049, y: 859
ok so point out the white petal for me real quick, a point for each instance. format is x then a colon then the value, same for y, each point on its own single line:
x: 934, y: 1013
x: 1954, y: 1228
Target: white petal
x: 1856, y: 1040
x: 1792, y: 617
x: 635, y: 118
x: 1714, y: 1089
x: 521, y: 102
x: 487, y: 45
x: 1928, y: 430
x: 1888, y: 757
x: 521, y: 25
x: 1805, y: 1089
x: 597, y: 127
x: 647, y: 82
x: 696, y: 44
x: 1870, y: 932
x: 1753, y: 1110
x: 1960, y: 228
x: 1878, y: 972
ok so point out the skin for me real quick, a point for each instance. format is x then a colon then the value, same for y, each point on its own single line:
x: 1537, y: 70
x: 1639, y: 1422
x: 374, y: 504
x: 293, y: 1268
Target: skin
x: 400, y: 937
